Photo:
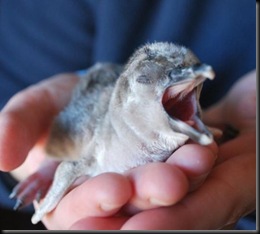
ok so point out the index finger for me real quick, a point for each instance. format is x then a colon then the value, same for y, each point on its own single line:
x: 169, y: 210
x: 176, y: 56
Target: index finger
x: 27, y: 116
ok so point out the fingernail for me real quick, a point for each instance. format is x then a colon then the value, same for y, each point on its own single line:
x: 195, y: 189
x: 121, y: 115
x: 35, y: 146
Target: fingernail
x: 158, y: 202
x: 108, y: 207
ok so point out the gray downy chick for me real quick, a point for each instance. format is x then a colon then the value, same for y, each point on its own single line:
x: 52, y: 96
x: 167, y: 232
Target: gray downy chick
x: 121, y: 117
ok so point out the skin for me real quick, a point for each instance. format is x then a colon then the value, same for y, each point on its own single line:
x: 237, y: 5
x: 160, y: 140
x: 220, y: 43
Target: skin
x: 154, y: 196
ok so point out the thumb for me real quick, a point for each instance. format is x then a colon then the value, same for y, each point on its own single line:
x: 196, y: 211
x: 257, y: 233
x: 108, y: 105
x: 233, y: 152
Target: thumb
x: 238, y: 107
x: 27, y: 116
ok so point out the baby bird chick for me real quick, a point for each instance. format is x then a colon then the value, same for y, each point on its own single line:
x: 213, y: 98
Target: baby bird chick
x: 121, y: 117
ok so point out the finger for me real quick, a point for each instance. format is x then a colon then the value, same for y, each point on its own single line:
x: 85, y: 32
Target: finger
x: 28, y: 115
x: 219, y: 202
x: 163, y: 184
x: 235, y: 109
x: 242, y: 144
x: 90, y: 223
x: 214, y: 116
x: 242, y: 107
x: 195, y: 161
x: 102, y: 196
x: 156, y: 184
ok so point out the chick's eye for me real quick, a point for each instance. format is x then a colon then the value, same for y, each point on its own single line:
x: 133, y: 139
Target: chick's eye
x: 143, y: 79
x: 197, y: 65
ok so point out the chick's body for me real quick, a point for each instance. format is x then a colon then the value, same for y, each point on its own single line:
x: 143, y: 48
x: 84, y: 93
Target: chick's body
x: 117, y: 118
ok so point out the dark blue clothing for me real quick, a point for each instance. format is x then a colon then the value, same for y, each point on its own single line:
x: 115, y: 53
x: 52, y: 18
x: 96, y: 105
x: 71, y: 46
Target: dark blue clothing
x: 39, y: 38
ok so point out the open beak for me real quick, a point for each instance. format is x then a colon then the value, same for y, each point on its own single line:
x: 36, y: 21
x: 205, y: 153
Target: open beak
x: 181, y: 102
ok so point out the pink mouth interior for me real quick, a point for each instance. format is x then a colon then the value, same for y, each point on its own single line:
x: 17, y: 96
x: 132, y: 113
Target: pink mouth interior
x: 180, y: 107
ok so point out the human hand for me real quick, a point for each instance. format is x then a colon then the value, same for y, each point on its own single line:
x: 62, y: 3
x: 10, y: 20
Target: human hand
x: 60, y: 217
x: 109, y: 200
x: 28, y: 116
x: 229, y: 191
x: 25, y: 122
x: 227, y: 194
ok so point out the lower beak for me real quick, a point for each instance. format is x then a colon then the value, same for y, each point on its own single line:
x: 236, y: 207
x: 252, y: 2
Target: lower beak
x: 201, y: 135
x: 181, y: 102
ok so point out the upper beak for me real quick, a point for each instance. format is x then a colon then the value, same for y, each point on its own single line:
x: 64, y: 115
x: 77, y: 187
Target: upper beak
x: 198, y: 72
x: 182, y: 104
x: 203, y: 70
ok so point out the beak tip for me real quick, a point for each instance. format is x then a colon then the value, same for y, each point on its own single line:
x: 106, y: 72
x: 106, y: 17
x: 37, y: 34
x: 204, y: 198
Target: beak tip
x: 211, y: 74
x: 205, y: 139
x: 208, y: 72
